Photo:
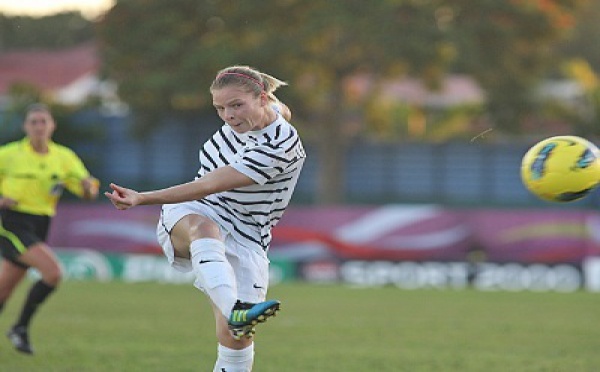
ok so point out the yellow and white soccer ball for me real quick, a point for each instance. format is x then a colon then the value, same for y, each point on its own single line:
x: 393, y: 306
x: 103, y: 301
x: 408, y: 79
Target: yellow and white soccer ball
x: 561, y: 168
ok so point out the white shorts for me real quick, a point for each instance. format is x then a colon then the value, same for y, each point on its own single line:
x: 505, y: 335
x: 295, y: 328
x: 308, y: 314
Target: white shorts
x: 251, y: 268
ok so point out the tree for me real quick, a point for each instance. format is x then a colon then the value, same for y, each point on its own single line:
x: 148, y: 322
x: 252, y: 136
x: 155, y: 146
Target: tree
x: 55, y: 31
x: 317, y: 46
x: 582, y: 39
x: 164, y: 56
x: 68, y: 132
x: 507, y: 46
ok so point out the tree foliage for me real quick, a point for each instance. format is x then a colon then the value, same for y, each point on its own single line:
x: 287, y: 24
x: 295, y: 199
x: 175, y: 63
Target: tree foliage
x: 582, y: 41
x: 164, y: 55
x: 314, y: 45
x: 68, y: 132
x: 508, y: 46
x: 55, y: 31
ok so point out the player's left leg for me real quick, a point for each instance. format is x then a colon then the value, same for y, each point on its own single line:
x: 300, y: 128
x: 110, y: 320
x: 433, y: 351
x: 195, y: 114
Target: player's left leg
x: 198, y: 238
x: 39, y: 256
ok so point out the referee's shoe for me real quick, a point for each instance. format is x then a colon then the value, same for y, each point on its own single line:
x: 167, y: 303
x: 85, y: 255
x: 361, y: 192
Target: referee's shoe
x: 20, y: 339
x: 245, y: 316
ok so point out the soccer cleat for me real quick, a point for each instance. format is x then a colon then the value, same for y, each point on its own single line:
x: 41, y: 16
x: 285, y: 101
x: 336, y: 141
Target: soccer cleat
x: 20, y: 339
x: 245, y: 316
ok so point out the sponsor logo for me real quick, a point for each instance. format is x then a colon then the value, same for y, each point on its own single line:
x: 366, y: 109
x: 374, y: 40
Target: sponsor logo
x: 539, y: 164
x: 458, y: 275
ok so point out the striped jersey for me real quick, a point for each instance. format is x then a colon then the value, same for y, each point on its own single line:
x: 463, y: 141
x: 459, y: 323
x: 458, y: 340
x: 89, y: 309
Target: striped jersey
x: 273, y: 158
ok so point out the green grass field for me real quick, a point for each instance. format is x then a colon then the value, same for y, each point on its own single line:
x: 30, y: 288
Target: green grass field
x: 91, y: 326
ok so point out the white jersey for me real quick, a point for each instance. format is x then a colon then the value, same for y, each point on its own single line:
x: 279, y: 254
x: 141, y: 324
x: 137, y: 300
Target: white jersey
x: 273, y: 158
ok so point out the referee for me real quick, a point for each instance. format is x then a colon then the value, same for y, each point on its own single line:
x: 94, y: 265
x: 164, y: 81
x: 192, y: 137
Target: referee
x: 33, y: 173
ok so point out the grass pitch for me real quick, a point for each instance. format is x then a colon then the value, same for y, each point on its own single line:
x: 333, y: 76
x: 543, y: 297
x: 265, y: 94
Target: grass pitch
x: 91, y: 326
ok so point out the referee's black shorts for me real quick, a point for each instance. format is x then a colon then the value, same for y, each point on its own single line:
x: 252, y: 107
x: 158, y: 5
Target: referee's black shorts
x: 19, y: 231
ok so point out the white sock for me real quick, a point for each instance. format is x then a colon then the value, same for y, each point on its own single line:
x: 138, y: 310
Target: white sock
x: 214, y: 274
x: 230, y: 360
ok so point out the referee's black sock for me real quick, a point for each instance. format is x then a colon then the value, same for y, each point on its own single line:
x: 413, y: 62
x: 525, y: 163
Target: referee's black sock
x: 37, y: 294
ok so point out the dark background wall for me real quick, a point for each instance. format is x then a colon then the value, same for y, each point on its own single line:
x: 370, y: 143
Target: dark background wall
x: 453, y: 173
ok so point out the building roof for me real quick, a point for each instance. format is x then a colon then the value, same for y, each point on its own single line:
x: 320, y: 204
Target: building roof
x: 71, y: 74
x: 49, y: 70
x: 454, y: 90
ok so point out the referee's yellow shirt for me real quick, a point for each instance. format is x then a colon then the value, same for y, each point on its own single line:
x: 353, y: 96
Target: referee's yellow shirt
x: 36, y: 180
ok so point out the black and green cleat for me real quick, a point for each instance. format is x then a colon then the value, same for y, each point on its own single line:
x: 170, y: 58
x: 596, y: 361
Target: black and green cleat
x: 245, y: 316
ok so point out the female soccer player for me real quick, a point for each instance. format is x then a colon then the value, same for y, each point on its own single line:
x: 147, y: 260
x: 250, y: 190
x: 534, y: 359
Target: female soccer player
x: 33, y: 173
x: 219, y: 225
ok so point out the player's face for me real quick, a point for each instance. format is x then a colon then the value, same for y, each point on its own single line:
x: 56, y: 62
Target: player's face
x: 240, y: 109
x: 39, y: 126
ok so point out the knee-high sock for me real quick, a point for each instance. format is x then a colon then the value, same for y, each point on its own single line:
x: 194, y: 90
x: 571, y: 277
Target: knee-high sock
x: 214, y: 274
x: 37, y: 295
x: 231, y: 360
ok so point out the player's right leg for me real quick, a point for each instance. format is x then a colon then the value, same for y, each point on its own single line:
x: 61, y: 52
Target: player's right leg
x: 236, y: 350
x: 216, y: 277
x: 245, y: 316
x: 233, y: 354
x: 251, y: 267
x: 198, y: 239
x: 11, y: 275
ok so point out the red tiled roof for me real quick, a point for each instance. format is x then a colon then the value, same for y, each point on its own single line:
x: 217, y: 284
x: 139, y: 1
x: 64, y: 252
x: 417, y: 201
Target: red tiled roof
x: 47, y: 69
x: 454, y: 90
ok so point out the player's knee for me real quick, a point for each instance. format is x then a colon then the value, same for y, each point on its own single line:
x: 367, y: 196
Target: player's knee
x: 52, y: 276
x: 190, y: 228
x: 202, y: 227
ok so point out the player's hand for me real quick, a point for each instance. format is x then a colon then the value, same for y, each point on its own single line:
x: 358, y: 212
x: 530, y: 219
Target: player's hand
x: 91, y: 188
x: 123, y: 198
x: 6, y: 203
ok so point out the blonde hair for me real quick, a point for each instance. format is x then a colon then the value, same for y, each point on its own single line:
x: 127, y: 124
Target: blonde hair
x: 37, y: 107
x: 250, y: 78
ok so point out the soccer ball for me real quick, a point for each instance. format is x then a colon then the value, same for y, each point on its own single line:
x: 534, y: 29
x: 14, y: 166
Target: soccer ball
x: 561, y: 169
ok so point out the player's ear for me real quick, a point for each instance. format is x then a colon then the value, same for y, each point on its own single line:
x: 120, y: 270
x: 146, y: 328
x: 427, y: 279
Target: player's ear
x: 264, y: 98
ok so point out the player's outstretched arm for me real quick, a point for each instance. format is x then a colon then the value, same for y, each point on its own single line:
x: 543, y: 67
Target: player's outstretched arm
x: 123, y: 198
x: 221, y: 179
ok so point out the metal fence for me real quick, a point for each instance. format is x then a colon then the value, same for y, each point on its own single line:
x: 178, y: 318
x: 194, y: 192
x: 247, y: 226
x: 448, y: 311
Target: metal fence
x: 457, y: 173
